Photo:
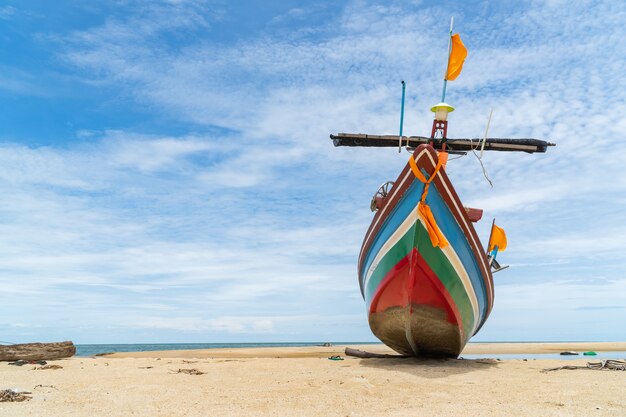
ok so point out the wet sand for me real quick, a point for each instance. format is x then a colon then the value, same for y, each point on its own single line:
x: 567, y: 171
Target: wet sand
x: 303, y: 382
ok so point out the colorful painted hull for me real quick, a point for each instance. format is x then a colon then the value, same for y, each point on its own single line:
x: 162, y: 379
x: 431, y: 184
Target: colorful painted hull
x: 424, y: 300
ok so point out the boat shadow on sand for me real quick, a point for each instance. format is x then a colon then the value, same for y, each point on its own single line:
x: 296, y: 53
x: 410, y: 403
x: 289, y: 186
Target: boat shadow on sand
x: 430, y: 367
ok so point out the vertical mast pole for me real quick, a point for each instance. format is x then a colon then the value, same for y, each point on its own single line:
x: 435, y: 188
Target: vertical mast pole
x: 482, y: 147
x: 401, y: 118
x: 445, y: 74
x: 493, y: 223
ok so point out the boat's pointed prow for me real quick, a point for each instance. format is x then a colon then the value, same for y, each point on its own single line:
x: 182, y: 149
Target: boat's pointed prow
x: 426, y: 282
x: 413, y: 313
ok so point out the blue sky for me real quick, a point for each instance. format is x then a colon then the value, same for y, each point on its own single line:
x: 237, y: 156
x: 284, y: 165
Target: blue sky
x: 166, y: 173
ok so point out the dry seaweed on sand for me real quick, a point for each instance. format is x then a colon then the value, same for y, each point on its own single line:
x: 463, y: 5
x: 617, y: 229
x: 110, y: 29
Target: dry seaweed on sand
x: 46, y: 367
x: 44, y: 386
x: 608, y: 364
x: 192, y: 371
x: 10, y: 396
x: 22, y: 362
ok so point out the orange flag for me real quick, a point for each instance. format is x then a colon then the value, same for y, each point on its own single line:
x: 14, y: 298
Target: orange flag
x: 457, y: 58
x: 498, y: 238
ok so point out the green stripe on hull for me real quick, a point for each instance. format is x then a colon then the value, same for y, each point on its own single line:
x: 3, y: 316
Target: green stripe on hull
x: 417, y: 236
x: 441, y: 266
x: 398, y: 252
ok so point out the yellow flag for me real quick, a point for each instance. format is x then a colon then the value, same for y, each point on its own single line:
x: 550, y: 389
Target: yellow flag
x: 498, y: 238
x: 457, y: 58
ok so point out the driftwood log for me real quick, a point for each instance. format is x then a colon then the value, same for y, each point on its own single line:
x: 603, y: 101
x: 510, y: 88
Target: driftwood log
x: 368, y: 355
x: 37, y: 351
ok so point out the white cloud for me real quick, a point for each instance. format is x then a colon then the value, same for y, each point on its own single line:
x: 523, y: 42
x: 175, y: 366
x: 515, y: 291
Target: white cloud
x: 267, y: 213
x: 7, y: 12
x: 245, y: 325
x: 558, y: 311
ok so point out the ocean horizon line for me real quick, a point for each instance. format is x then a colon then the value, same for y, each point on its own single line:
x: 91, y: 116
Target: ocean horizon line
x: 90, y: 349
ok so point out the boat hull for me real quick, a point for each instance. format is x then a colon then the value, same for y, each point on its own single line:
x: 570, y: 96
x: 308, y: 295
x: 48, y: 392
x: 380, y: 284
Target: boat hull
x: 421, y: 299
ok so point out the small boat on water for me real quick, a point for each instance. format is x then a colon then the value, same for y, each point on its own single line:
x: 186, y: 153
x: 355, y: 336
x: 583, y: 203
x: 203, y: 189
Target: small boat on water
x: 426, y: 279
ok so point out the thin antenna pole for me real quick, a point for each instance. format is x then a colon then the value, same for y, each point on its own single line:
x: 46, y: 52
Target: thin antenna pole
x: 493, y: 223
x: 482, y: 147
x: 401, y: 118
x: 445, y: 74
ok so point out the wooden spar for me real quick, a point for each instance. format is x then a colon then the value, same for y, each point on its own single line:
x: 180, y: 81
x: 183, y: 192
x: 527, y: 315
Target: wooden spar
x: 491, y: 144
x: 357, y: 353
x: 37, y: 351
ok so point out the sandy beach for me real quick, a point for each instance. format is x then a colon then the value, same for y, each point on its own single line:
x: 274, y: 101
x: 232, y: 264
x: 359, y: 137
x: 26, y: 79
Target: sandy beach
x: 304, y: 382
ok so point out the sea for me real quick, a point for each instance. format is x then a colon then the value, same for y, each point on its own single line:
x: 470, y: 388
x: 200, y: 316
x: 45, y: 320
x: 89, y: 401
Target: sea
x: 91, y: 350
x: 96, y: 349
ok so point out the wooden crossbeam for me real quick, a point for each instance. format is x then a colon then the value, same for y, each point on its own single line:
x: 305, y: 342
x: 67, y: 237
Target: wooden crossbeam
x: 491, y: 144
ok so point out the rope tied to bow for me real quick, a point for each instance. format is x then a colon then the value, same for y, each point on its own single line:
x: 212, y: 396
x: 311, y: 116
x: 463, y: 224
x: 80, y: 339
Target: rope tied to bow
x: 436, y: 237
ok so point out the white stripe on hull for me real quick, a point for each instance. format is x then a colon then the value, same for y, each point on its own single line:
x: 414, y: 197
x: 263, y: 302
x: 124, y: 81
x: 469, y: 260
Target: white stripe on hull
x: 471, y: 235
x: 448, y: 252
x: 485, y: 268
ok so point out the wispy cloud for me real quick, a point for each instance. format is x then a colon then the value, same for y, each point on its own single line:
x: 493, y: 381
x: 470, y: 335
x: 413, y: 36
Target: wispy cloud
x: 7, y: 12
x: 236, y: 229
x: 557, y: 311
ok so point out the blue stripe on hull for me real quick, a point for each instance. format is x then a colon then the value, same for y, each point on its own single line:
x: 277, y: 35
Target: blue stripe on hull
x: 449, y: 226
x: 400, y: 212
x: 453, y: 232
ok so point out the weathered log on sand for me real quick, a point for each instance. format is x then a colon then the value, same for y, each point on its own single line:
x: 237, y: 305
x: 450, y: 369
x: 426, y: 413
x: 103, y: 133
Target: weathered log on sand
x: 367, y: 355
x: 37, y: 351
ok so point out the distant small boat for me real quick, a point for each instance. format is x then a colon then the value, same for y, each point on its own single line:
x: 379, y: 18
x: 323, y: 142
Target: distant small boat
x: 426, y: 278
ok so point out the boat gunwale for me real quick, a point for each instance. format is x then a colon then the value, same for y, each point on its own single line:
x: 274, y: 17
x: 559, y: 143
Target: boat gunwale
x: 426, y: 158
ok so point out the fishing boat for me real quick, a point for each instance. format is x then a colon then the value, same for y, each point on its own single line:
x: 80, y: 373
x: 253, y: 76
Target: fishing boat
x: 426, y: 279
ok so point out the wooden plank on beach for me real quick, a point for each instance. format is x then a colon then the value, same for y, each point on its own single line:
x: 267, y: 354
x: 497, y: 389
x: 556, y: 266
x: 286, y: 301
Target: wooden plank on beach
x: 358, y: 353
x: 37, y: 351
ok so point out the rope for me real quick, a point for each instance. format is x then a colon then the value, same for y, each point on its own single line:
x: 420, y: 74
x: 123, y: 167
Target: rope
x: 480, y: 159
x: 608, y: 364
x: 436, y: 237
x: 11, y: 396
x: 483, y: 167
x: 473, y: 149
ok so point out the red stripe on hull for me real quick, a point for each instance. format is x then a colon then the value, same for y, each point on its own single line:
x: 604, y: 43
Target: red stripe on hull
x: 393, y: 289
x: 437, y: 293
x: 426, y: 158
x: 412, y: 287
